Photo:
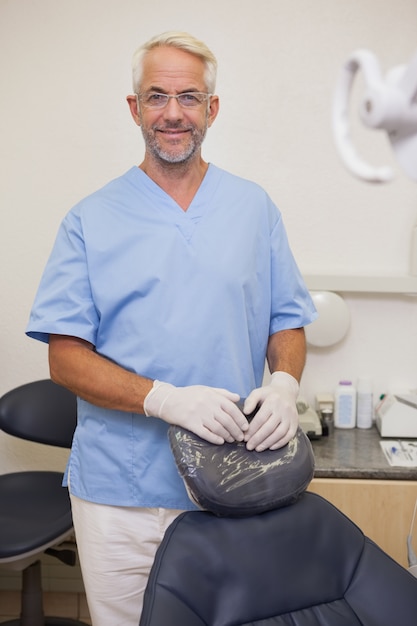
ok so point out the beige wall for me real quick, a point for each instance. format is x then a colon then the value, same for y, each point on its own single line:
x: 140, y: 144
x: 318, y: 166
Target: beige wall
x: 65, y: 130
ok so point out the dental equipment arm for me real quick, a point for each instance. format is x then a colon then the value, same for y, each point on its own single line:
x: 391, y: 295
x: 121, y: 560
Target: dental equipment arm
x: 389, y: 104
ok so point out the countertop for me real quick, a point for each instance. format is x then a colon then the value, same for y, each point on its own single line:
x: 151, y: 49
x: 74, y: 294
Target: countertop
x: 355, y: 453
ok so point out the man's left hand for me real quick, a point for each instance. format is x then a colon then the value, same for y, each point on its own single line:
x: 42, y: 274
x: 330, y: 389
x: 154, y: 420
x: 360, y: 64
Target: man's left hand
x: 276, y: 420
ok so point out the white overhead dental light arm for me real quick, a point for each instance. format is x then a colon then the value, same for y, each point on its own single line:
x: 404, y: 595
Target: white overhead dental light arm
x: 389, y: 104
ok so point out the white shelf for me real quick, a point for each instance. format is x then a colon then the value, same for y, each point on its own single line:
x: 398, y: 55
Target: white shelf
x: 399, y: 284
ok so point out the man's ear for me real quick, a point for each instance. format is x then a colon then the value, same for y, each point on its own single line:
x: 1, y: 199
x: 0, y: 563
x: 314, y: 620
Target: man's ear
x: 213, y: 109
x: 133, y: 107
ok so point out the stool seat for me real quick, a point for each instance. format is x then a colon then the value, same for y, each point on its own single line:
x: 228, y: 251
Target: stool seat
x: 33, y: 519
x: 35, y: 510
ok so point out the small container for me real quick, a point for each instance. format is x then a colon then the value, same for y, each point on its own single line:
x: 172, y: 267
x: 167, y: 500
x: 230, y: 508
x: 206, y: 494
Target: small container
x: 345, y: 405
x: 327, y: 421
x: 364, y: 403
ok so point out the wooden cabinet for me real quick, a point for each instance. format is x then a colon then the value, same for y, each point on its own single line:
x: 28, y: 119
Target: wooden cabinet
x: 383, y: 509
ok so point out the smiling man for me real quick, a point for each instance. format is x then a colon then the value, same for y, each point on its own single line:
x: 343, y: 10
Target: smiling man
x: 165, y: 292
x: 174, y: 106
x: 173, y: 126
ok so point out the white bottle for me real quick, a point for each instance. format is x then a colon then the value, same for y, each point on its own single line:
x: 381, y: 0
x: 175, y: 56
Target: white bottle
x: 345, y: 405
x: 364, y: 404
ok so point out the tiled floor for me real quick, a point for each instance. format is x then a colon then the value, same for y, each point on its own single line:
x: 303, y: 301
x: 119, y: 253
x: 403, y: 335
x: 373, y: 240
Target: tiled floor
x: 71, y: 605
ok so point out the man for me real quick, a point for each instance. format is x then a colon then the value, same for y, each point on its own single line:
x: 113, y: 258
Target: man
x: 164, y: 293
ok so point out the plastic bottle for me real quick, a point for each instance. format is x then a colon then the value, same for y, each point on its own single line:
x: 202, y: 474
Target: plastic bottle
x: 364, y: 404
x: 345, y: 405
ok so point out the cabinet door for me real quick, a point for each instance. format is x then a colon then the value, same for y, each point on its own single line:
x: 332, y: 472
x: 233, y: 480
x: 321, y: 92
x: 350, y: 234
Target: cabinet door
x: 383, y: 509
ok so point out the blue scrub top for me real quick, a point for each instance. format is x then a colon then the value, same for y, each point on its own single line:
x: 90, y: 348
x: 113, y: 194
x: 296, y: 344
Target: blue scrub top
x: 186, y: 297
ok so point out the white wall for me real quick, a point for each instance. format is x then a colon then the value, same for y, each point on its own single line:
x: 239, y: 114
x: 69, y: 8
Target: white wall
x: 65, y: 130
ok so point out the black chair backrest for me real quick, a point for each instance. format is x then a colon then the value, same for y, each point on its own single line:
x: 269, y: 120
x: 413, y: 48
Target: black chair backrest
x: 40, y: 411
x: 304, y: 564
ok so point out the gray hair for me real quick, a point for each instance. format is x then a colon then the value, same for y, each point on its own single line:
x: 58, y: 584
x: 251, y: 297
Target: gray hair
x: 182, y: 41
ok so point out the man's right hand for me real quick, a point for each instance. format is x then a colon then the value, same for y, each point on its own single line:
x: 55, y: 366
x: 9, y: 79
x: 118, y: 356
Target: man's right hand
x: 209, y: 412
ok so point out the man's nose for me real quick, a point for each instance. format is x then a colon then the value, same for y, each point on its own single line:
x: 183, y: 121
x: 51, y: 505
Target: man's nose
x: 173, y: 110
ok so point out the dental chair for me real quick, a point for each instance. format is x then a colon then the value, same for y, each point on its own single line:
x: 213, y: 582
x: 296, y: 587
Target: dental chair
x: 35, y: 511
x: 305, y: 564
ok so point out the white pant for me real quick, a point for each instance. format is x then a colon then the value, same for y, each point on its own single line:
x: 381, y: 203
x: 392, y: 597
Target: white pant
x: 116, y: 547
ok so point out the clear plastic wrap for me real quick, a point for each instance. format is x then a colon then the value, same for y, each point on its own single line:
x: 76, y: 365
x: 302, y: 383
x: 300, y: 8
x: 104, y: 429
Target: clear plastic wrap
x: 231, y: 480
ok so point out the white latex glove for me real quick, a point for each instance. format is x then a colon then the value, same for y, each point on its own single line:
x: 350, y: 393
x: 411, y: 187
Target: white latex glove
x: 209, y: 412
x: 276, y: 421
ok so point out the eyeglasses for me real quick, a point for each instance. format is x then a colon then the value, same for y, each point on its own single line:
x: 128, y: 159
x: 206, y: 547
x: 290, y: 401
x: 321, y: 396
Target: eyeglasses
x: 188, y: 100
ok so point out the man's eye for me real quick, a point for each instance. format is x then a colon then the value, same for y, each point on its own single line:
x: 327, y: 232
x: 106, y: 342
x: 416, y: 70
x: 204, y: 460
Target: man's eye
x: 155, y: 98
x: 188, y: 98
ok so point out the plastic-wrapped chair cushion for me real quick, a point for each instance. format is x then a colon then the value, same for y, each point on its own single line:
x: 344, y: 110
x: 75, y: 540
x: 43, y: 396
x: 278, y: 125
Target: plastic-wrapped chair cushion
x: 230, y: 480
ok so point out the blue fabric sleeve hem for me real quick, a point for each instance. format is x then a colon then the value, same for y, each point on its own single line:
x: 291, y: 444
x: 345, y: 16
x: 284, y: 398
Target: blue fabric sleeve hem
x: 44, y: 337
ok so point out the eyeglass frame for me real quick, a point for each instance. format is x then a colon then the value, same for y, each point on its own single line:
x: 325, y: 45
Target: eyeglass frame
x: 168, y: 96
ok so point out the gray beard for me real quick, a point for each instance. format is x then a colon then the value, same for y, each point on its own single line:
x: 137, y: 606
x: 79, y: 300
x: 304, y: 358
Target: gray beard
x: 168, y: 157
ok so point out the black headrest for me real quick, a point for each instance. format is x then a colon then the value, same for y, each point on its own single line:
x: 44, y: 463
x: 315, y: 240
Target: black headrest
x: 230, y: 480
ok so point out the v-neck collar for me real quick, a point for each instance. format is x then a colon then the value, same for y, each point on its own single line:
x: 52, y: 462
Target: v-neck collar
x: 195, y: 205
